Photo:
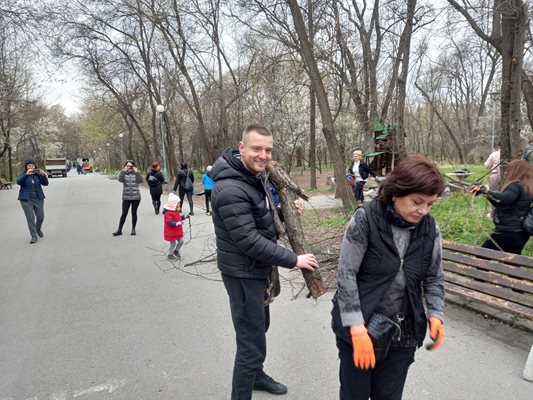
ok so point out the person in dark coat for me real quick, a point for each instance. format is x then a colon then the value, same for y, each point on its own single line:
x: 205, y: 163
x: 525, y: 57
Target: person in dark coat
x: 31, y: 197
x: 390, y: 258
x: 246, y: 251
x: 155, y: 180
x: 358, y: 172
x: 510, y: 207
x: 130, y: 177
x: 185, y: 188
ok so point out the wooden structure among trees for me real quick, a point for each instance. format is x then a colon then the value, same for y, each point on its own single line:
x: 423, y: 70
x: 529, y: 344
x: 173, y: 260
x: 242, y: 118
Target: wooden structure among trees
x: 384, y: 155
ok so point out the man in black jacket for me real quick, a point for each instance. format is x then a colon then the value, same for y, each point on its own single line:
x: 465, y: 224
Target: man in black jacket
x: 247, y: 249
x: 184, y: 182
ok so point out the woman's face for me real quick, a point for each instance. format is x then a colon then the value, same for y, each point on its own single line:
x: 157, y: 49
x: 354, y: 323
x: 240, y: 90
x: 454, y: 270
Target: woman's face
x: 414, y: 206
x: 30, y: 166
x: 356, y: 156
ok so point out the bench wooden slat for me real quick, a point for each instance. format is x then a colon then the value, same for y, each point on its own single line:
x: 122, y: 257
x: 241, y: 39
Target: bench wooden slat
x: 489, y: 289
x: 523, y: 285
x: 507, y: 258
x: 514, y: 271
x: 496, y: 303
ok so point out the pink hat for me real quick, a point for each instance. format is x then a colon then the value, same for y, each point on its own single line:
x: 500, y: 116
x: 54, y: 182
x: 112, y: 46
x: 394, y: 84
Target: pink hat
x: 173, y: 202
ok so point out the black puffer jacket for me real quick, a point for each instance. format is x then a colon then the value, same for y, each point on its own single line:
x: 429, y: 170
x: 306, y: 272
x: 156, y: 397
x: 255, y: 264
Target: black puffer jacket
x: 244, y: 223
x: 511, y: 206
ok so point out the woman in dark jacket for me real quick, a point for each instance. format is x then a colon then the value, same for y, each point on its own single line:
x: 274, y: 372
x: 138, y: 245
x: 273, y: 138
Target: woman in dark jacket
x: 185, y: 187
x: 31, y: 197
x: 358, y: 172
x: 155, y: 180
x: 130, y: 178
x: 390, y: 258
x: 510, y: 207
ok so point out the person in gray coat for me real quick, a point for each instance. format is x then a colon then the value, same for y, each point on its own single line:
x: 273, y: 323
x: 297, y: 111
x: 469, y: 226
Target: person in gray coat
x: 131, y: 195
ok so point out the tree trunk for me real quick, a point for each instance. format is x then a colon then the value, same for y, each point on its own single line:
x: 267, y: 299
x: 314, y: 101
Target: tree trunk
x: 288, y: 192
x: 404, y: 50
x: 328, y: 129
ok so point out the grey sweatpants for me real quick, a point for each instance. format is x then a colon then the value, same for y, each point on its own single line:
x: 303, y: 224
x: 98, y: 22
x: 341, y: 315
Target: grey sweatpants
x: 175, y: 247
x: 34, y: 211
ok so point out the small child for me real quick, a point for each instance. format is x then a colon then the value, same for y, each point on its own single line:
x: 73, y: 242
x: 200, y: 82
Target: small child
x: 173, y: 230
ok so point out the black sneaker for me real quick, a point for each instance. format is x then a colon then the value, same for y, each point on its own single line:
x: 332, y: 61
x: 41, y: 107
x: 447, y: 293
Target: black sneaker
x: 133, y: 233
x: 117, y: 233
x: 33, y: 239
x: 172, y: 257
x: 267, y: 384
x: 191, y: 213
x: 40, y: 233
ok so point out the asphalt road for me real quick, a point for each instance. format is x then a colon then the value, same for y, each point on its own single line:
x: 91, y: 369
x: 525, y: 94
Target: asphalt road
x: 84, y: 315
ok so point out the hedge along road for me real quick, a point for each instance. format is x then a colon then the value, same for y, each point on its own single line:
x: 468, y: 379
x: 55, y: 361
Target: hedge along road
x: 85, y: 315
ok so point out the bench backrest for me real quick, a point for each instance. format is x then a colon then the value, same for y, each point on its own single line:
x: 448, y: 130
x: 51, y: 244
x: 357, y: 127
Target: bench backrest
x: 501, y: 279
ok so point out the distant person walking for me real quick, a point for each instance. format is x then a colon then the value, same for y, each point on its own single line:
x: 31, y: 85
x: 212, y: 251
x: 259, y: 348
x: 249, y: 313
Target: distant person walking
x: 184, y: 182
x: 173, y: 229
x: 78, y: 168
x: 208, y: 184
x: 358, y: 172
x: 31, y: 197
x: 155, y: 180
x: 130, y: 178
x: 510, y: 207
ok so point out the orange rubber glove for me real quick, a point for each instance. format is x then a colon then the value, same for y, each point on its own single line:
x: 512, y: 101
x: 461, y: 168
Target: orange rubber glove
x: 363, y: 350
x: 436, y: 332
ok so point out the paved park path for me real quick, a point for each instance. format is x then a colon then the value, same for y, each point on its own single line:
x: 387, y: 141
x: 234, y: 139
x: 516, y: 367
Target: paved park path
x: 84, y: 315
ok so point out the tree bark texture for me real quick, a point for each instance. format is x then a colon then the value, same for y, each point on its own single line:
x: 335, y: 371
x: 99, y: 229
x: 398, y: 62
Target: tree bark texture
x: 317, y: 84
x: 288, y: 192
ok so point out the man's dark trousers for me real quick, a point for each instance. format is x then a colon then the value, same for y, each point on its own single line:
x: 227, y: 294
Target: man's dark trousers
x: 251, y: 320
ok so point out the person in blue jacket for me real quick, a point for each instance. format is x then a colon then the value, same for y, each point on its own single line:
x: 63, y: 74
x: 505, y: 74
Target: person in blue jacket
x: 208, y: 184
x: 31, y: 197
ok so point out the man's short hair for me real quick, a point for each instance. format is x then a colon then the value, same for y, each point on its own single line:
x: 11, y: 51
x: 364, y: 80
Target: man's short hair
x: 260, y: 129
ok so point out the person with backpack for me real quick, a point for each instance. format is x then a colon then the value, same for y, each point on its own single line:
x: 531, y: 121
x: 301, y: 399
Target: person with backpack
x: 511, y: 205
x: 155, y: 180
x: 184, y: 182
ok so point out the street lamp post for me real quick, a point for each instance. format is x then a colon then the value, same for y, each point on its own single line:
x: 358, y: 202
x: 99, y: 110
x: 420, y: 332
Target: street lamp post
x: 120, y: 136
x: 494, y: 98
x: 160, y: 110
x: 108, y: 157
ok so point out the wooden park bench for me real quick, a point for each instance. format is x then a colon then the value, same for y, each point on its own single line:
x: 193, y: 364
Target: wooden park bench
x: 500, y: 280
x: 4, y: 184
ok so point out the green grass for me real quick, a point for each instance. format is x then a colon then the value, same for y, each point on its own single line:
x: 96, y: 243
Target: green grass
x: 462, y: 219
x: 478, y: 171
